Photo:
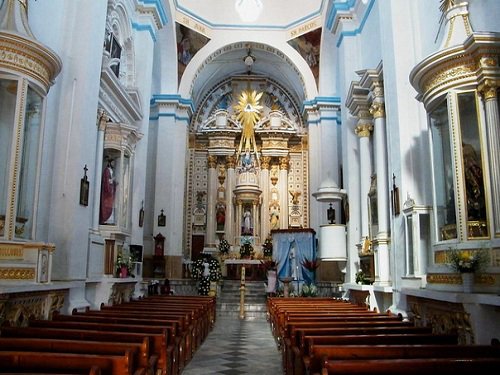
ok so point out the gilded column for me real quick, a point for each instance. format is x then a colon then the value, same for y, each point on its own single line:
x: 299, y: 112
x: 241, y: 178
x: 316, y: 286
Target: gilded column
x: 102, y: 120
x: 265, y: 162
x: 230, y: 214
x: 211, y: 200
x: 283, y: 189
x: 382, y: 263
x: 363, y: 130
x: 490, y: 96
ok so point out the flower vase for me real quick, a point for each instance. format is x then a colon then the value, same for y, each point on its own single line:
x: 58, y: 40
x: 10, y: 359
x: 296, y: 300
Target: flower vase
x: 467, y: 281
x: 123, y: 272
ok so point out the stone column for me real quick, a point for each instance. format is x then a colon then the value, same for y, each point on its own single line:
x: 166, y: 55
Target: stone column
x: 264, y: 208
x: 283, y: 189
x: 230, y: 215
x: 382, y: 262
x: 489, y: 92
x: 256, y: 226
x: 211, y: 199
x: 239, y: 213
x: 363, y: 131
x: 101, y: 128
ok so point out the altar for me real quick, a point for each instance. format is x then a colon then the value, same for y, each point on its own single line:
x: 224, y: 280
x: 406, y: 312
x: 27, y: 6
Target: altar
x: 254, y: 269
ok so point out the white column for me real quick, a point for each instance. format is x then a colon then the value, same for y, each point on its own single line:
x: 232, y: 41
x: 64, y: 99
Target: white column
x: 382, y: 250
x: 264, y: 208
x: 256, y: 226
x: 101, y: 127
x: 229, y: 225
x: 489, y: 91
x: 283, y: 189
x: 363, y: 131
x: 211, y: 199
x: 239, y: 213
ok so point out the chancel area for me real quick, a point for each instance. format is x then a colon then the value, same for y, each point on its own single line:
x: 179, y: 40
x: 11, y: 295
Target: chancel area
x: 249, y: 160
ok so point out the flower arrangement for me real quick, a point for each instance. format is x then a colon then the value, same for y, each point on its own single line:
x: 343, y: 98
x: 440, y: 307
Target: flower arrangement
x: 310, y: 265
x: 467, y: 261
x: 224, y: 247
x: 124, y: 262
x: 309, y: 290
x: 267, y: 247
x: 198, y: 273
x: 246, y: 249
x: 361, y: 278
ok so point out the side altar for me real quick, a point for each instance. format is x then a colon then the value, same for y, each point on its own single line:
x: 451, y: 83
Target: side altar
x: 291, y: 249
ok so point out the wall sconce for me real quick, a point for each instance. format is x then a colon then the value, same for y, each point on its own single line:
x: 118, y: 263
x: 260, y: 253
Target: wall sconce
x: 84, y: 188
x: 395, y: 197
x: 141, y: 215
x: 330, y: 213
x: 161, y: 219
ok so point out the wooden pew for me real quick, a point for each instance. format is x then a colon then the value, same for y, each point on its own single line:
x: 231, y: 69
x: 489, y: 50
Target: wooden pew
x: 164, y: 354
x: 442, y: 366
x: 56, y: 362
x: 140, y: 351
x: 312, y: 364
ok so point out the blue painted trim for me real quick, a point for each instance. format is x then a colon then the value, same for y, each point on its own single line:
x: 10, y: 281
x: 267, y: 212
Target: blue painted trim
x: 161, y: 10
x: 140, y: 27
x: 177, y: 118
x: 171, y: 97
x: 250, y: 26
x: 322, y: 99
x: 338, y: 120
x: 359, y: 30
x: 330, y: 18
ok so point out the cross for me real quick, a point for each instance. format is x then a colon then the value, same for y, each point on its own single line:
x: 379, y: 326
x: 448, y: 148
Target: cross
x: 85, y: 169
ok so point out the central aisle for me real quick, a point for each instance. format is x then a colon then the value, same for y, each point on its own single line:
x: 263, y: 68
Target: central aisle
x: 237, y: 347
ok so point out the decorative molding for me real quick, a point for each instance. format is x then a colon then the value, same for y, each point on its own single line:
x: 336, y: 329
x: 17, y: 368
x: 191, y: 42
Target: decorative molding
x: 29, y: 58
x: 17, y: 273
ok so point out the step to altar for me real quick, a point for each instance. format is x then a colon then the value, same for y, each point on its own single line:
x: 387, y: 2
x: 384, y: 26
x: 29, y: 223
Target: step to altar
x: 228, y: 300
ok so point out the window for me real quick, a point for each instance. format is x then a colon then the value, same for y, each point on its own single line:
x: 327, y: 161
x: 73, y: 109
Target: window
x: 473, y: 180
x: 444, y: 188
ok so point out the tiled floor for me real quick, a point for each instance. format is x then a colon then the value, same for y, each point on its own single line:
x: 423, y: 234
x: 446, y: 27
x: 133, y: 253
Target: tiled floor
x: 237, y: 347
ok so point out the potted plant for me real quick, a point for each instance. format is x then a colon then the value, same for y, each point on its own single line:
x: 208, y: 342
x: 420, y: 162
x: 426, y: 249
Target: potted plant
x: 267, y: 248
x: 123, y: 266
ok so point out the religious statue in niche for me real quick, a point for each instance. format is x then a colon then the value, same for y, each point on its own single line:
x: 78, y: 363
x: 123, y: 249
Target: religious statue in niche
x: 275, y: 216
x: 108, y: 192
x: 220, y: 216
x: 247, y: 228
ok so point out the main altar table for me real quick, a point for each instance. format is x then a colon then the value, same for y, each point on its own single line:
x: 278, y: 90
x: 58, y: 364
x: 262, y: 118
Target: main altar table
x: 254, y: 269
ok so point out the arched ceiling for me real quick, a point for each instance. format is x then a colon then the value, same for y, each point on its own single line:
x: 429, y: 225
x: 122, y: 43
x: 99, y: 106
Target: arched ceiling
x: 267, y: 63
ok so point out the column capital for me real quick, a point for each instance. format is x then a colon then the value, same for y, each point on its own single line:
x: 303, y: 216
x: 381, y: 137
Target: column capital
x: 212, y: 161
x: 230, y: 161
x: 488, y: 89
x: 284, y: 163
x: 265, y: 161
x: 363, y: 130
x: 377, y: 109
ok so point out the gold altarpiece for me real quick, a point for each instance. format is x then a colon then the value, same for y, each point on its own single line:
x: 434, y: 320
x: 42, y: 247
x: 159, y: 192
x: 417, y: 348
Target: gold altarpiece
x: 246, y: 175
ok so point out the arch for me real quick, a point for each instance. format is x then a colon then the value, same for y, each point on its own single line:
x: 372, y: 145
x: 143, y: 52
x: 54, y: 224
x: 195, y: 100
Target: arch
x: 299, y: 77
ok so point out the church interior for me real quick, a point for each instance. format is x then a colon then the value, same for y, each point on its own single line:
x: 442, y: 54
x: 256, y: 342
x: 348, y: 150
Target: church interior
x: 346, y: 150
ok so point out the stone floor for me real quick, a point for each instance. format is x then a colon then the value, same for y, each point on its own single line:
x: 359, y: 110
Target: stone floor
x: 237, y: 347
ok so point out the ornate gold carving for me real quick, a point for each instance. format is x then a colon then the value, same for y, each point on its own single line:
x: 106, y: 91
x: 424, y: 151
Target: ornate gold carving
x: 274, y: 143
x: 18, y: 273
x: 459, y: 70
x: 212, y: 161
x: 377, y: 110
x: 274, y: 174
x: 230, y: 161
x: 265, y: 162
x: 444, y: 278
x: 488, y: 89
x: 11, y: 251
x: 222, y: 174
x: 284, y: 163
x: 29, y: 57
x: 363, y: 130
